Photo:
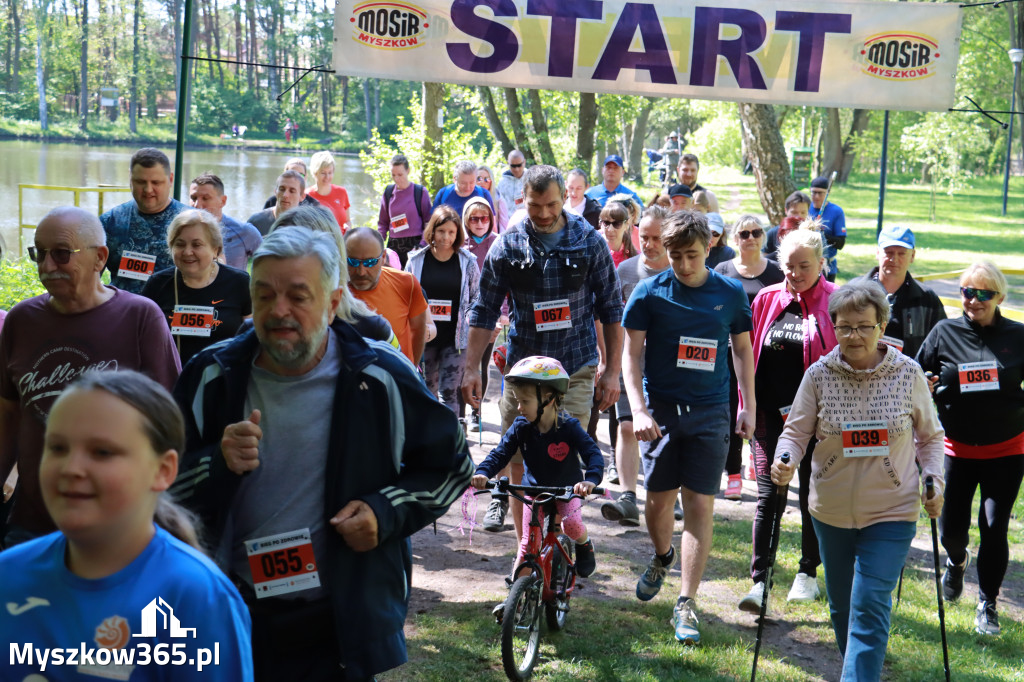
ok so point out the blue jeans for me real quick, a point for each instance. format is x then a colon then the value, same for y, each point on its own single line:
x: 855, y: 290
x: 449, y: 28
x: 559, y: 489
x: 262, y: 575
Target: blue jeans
x: 862, y: 567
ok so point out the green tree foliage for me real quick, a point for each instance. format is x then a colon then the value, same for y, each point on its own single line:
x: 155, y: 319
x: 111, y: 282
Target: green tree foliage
x: 946, y: 147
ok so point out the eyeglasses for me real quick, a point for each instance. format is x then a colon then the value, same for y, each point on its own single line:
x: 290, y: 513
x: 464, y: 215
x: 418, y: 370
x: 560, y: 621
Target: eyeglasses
x: 862, y: 332
x: 59, y: 256
x: 480, y: 219
x: 968, y: 293
x: 482, y: 178
x: 515, y: 165
x: 366, y: 262
x: 747, y: 234
x: 611, y: 223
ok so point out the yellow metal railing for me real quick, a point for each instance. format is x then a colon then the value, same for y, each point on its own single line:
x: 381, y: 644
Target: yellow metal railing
x: 76, y: 191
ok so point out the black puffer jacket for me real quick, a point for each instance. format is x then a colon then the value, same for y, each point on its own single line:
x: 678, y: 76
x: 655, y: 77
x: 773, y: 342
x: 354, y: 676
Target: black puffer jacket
x: 915, y: 311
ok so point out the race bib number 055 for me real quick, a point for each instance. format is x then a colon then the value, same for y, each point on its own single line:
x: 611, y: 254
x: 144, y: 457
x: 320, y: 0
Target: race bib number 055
x: 282, y: 563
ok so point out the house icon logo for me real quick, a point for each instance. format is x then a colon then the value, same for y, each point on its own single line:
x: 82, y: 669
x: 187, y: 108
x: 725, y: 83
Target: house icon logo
x: 169, y: 622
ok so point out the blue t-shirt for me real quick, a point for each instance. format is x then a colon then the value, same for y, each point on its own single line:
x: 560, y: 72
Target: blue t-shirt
x: 448, y: 195
x: 833, y: 223
x: 548, y: 458
x: 170, y: 595
x: 240, y: 241
x: 129, y: 230
x: 601, y: 194
x: 668, y: 310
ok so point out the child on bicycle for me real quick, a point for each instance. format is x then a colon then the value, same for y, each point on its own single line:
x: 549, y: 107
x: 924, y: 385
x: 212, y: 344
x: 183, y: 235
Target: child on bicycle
x: 550, y: 441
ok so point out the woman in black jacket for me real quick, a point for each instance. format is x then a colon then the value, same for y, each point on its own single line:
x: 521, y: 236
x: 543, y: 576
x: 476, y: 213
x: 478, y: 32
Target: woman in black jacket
x: 978, y: 367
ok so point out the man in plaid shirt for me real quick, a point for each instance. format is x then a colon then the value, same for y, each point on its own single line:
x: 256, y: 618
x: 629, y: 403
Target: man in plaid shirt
x: 559, y: 274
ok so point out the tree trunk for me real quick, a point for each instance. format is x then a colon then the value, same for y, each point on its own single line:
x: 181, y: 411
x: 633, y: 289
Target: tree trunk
x: 376, y: 103
x: 861, y: 119
x: 191, y: 66
x: 174, y: 10
x: 768, y: 158
x: 636, y: 148
x: 41, y: 12
x: 515, y: 116
x: 540, y: 128
x: 250, y: 48
x: 83, y: 95
x: 133, y: 108
x: 1016, y: 17
x: 432, y: 173
x: 494, y: 121
x: 325, y: 103
x: 207, y: 36
x: 366, y: 108
x: 237, y: 8
x: 585, y: 130
x: 16, y: 71
x: 832, y: 143
x: 215, y: 25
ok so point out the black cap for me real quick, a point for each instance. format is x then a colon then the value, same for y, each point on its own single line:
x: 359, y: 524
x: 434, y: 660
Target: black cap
x: 680, y: 191
x: 820, y: 182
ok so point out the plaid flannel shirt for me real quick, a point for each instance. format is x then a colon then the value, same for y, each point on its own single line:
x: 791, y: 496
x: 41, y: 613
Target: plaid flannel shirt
x: 579, y: 269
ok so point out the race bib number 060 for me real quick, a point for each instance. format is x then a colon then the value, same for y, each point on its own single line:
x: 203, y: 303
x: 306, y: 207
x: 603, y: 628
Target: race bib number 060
x: 140, y: 266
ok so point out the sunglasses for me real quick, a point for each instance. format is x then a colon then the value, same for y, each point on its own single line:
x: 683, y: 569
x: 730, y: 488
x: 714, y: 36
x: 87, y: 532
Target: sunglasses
x: 366, y: 262
x: 482, y: 178
x: 480, y: 219
x: 611, y: 223
x: 59, y: 256
x: 968, y: 293
x: 515, y: 165
x: 747, y: 234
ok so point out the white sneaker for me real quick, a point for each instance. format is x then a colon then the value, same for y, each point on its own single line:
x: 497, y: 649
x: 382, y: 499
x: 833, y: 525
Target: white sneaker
x: 751, y: 603
x: 805, y: 588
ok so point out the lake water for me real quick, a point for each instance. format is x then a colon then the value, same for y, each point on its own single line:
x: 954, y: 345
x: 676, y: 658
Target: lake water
x: 248, y: 177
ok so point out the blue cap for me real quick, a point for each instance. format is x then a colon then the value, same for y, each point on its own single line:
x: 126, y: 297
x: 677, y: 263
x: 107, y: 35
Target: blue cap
x: 894, y: 235
x: 614, y: 158
x: 716, y: 223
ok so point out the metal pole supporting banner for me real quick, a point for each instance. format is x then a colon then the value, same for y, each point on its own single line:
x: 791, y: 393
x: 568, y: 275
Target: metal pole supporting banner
x: 881, y: 176
x: 183, y: 84
x: 1009, y: 136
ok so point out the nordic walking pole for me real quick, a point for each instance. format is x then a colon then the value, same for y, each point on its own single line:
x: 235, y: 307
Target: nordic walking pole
x: 899, y: 588
x: 929, y: 487
x: 780, y: 493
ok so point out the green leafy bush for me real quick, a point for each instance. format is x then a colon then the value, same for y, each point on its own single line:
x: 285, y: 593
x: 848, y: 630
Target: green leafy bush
x: 19, y: 280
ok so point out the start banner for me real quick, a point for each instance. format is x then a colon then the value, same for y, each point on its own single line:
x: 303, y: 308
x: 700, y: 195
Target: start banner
x: 874, y: 55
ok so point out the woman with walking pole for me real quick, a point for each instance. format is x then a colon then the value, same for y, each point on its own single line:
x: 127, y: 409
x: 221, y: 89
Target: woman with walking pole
x: 869, y: 408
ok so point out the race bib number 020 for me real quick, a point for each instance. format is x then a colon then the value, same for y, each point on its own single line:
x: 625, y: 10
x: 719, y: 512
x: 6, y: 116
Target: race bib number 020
x: 865, y: 439
x: 698, y: 354
x: 551, y: 315
x: 282, y: 563
x: 978, y: 376
x: 192, y: 320
x: 140, y: 266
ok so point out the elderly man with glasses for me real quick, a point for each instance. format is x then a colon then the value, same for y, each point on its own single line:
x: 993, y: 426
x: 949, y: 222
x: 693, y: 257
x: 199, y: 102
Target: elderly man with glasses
x: 49, y: 340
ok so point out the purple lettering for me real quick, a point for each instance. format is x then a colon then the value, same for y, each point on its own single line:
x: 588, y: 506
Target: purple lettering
x: 655, y: 57
x: 708, y: 46
x: 501, y: 37
x: 564, y: 16
x: 812, y: 27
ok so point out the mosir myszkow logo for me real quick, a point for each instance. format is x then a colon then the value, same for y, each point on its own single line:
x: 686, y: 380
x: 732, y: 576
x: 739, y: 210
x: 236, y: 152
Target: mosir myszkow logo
x: 899, y: 56
x: 388, y: 25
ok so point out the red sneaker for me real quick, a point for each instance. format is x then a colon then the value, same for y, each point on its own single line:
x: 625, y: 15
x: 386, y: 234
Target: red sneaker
x: 734, y: 489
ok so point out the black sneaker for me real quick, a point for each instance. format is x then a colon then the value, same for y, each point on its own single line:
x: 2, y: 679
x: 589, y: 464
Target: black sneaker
x: 986, y: 621
x: 494, y: 519
x: 953, y: 579
x: 586, y: 562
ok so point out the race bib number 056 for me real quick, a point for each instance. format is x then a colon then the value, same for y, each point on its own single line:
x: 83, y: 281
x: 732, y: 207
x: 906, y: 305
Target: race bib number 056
x: 192, y: 320
x: 865, y: 439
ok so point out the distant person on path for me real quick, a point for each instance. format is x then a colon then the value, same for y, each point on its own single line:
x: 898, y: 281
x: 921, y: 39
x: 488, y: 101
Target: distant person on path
x: 458, y: 193
x: 404, y: 210
x: 866, y: 491
x: 681, y: 197
x: 299, y: 166
x: 485, y: 180
x: 510, y: 184
x: 576, y: 199
x: 240, y: 239
x: 797, y: 205
x: 833, y: 224
x: 914, y: 310
x: 137, y: 230
x: 612, y: 173
x: 671, y: 150
x: 720, y: 251
x: 48, y: 340
x: 333, y: 197
x: 689, y: 168
x: 978, y: 367
x: 290, y: 188
x: 288, y: 131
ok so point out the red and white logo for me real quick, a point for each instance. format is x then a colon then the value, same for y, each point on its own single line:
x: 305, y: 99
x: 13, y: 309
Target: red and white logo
x: 900, y: 56
x: 388, y: 25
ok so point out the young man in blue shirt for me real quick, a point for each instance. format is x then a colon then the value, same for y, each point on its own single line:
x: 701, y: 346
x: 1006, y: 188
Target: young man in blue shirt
x: 833, y: 224
x: 679, y: 325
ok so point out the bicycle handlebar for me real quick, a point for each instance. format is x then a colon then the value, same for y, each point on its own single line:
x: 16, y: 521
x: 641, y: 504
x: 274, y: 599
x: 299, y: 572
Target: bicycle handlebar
x: 561, y: 493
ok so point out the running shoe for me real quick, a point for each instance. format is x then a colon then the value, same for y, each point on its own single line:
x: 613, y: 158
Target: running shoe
x: 653, y: 578
x: 734, y: 488
x: 685, y: 622
x: 624, y: 510
x: 986, y: 622
x: 953, y: 579
x: 678, y: 511
x: 612, y: 474
x: 751, y: 603
x: 494, y: 519
x: 586, y: 562
x: 805, y: 588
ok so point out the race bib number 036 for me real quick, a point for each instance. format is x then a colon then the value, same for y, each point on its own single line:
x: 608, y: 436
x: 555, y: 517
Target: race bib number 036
x: 192, y: 320
x: 140, y: 266
x: 865, y: 439
x: 978, y: 376
x: 282, y: 563
x: 551, y: 315
x: 698, y: 354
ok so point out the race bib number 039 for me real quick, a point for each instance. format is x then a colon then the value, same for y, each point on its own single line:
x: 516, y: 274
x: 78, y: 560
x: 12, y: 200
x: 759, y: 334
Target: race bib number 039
x: 978, y: 376
x: 698, y: 354
x: 551, y: 315
x: 440, y: 310
x: 135, y: 265
x: 865, y: 439
x: 192, y: 320
x: 282, y: 563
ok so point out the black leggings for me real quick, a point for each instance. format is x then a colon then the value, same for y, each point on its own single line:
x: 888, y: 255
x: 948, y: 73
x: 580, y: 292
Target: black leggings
x: 734, y: 460
x: 999, y: 480
x: 766, y: 436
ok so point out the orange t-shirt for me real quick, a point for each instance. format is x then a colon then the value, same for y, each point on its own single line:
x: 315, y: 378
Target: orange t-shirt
x: 337, y: 202
x: 398, y: 296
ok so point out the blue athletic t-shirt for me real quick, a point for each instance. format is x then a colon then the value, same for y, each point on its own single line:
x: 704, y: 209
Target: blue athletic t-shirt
x: 667, y: 310
x: 170, y: 589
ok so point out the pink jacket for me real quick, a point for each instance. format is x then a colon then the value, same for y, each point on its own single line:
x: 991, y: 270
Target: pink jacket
x: 819, y: 335
x: 858, y: 491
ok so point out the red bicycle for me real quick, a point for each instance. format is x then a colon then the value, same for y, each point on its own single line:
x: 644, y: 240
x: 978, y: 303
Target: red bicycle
x: 550, y: 581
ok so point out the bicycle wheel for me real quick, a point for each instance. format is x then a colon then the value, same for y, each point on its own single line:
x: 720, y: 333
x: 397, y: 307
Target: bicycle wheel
x: 557, y: 610
x: 520, y: 628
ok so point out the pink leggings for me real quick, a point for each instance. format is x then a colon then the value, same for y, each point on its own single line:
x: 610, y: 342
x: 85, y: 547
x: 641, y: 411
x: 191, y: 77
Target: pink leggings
x: 572, y: 524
